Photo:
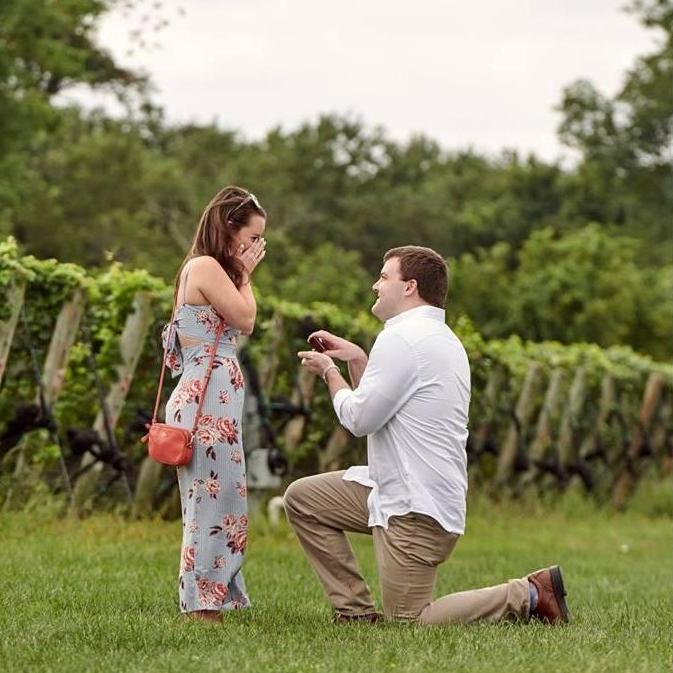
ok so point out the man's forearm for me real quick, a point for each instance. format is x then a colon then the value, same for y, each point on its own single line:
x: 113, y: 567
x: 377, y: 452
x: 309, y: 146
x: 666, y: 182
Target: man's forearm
x: 356, y: 369
x: 335, y: 382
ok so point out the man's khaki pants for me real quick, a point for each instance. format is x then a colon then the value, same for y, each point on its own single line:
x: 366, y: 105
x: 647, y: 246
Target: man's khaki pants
x: 322, y: 507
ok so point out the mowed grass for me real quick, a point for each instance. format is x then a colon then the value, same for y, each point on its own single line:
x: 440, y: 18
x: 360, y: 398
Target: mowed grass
x: 100, y: 595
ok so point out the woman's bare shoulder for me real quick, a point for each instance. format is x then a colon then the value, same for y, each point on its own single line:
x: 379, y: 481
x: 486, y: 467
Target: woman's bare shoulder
x: 204, y: 263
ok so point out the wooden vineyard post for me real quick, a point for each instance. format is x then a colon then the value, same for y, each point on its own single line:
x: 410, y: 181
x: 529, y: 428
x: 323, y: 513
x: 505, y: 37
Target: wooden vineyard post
x: 269, y: 367
x: 661, y: 435
x: 607, y: 405
x: 53, y: 373
x: 485, y: 429
x: 517, y: 430
x: 568, y: 437
x: 258, y: 450
x: 630, y: 471
x: 15, y: 297
x: 329, y: 458
x: 250, y: 421
x: 303, y: 393
x: 602, y: 445
x: 547, y: 425
x: 131, y: 346
x: 149, y: 477
x: 62, y: 339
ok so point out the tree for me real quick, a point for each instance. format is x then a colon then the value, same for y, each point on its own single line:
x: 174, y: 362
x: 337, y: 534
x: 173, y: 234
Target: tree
x: 585, y: 285
x: 47, y: 46
x: 626, y: 143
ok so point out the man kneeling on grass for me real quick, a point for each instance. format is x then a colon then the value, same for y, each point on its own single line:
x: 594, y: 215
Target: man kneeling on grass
x: 411, y: 398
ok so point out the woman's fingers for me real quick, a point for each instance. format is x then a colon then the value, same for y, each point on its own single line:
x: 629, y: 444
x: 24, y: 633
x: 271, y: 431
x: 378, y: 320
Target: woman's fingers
x: 253, y: 255
x: 256, y: 251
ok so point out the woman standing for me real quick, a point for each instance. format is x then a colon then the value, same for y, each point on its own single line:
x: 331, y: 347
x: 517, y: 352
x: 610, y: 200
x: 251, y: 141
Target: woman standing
x: 213, y: 287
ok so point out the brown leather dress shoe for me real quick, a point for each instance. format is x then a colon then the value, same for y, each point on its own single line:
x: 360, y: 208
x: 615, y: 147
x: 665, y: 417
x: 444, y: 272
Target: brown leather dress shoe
x: 551, y: 605
x: 371, y: 617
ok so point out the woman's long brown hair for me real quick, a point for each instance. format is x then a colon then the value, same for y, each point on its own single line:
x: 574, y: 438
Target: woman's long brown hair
x: 219, y: 223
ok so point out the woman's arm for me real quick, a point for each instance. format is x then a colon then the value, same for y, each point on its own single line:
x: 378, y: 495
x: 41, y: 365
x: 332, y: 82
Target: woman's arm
x: 236, y: 306
x: 249, y: 297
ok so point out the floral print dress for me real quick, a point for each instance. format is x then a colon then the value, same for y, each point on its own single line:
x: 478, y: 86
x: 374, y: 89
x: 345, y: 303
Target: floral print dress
x: 212, y: 487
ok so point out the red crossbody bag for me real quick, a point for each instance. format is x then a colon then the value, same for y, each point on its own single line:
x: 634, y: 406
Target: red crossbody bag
x: 170, y: 444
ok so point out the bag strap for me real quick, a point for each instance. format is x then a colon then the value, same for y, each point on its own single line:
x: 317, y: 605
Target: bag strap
x: 168, y: 341
x: 163, y: 362
x: 206, y: 378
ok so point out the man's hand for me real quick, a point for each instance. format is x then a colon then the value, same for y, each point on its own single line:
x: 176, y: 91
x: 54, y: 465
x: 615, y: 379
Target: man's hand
x: 339, y: 348
x: 315, y: 362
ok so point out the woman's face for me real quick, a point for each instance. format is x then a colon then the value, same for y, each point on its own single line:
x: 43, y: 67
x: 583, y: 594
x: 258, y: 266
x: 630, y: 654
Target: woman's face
x: 248, y: 234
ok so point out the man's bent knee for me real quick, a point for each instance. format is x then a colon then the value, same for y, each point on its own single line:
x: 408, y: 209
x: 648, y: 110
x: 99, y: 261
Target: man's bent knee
x: 294, y: 497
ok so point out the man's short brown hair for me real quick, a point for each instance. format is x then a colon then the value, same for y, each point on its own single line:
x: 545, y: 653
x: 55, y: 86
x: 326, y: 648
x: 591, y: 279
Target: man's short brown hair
x: 427, y: 267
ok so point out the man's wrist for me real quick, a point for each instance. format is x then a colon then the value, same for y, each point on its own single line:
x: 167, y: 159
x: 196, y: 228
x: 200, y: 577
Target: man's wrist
x: 327, y: 370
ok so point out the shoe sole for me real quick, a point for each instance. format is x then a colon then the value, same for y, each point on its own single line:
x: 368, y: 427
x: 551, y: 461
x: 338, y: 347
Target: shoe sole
x: 357, y: 619
x: 559, y: 592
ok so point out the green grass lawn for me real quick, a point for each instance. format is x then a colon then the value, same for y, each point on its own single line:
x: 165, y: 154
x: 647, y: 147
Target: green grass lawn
x: 100, y: 595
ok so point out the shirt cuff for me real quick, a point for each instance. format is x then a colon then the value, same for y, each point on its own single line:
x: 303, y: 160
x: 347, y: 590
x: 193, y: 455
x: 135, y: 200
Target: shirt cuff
x: 339, y: 398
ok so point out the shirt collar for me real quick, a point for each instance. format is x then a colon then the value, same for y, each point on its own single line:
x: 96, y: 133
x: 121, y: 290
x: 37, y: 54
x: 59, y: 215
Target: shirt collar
x: 425, y: 311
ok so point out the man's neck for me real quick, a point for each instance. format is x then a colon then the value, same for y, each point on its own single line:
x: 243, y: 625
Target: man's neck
x: 409, y: 307
x: 426, y: 310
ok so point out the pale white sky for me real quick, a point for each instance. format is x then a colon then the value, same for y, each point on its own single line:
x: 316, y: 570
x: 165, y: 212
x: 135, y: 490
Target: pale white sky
x: 479, y: 73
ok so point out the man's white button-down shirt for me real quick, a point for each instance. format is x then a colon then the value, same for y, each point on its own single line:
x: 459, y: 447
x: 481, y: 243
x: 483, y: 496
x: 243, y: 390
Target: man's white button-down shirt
x: 412, y: 403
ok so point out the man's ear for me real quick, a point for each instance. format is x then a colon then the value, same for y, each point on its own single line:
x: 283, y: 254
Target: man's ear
x: 410, y: 286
